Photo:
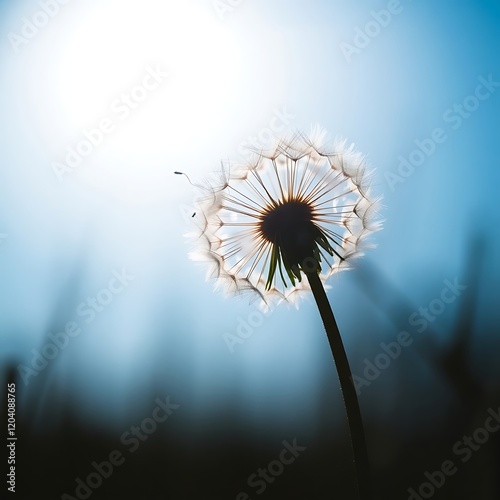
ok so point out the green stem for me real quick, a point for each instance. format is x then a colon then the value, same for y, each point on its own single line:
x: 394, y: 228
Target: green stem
x: 347, y: 386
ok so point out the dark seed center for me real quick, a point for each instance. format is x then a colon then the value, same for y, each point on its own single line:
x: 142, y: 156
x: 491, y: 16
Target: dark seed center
x: 288, y: 224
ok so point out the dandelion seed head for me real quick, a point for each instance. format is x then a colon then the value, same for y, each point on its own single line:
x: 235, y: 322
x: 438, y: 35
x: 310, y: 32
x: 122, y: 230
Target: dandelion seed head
x: 302, y: 206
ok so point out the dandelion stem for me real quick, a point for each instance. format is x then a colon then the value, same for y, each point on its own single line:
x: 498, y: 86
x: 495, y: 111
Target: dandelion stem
x: 357, y: 434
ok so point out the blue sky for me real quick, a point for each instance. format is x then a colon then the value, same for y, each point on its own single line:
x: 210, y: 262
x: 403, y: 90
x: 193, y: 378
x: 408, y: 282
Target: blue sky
x: 217, y: 78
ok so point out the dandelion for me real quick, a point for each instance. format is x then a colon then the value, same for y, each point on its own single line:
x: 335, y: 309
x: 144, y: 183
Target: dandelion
x: 268, y: 223
x: 300, y: 210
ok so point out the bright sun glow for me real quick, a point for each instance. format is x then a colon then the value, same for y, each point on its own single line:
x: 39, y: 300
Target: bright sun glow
x: 156, y: 77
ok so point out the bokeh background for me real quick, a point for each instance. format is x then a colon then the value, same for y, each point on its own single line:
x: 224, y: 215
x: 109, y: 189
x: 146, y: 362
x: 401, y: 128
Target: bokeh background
x: 229, y: 74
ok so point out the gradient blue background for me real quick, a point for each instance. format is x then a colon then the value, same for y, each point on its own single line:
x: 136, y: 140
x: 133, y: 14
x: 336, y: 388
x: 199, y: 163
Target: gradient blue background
x: 164, y: 333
